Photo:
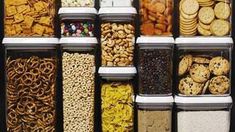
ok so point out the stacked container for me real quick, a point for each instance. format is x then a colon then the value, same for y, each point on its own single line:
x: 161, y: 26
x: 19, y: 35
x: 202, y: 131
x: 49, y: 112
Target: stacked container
x: 31, y: 74
x: 117, y: 98
x: 78, y: 70
x: 116, y: 3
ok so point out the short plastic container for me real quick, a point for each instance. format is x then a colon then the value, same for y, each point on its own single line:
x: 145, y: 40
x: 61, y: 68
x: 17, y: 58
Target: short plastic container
x: 29, y: 18
x: 117, y: 99
x: 77, y: 22
x: 77, y: 3
x: 155, y: 65
x: 205, y: 18
x: 31, y: 83
x: 117, y: 36
x: 204, y: 66
x: 203, y: 114
x: 156, y: 17
x: 154, y: 113
x: 78, y: 70
x: 116, y: 3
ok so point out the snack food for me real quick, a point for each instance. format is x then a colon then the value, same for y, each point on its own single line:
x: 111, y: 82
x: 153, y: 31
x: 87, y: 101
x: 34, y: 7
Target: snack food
x: 185, y: 64
x: 199, y: 73
x: 25, y: 18
x: 189, y: 87
x: 156, y: 17
x: 219, y: 66
x: 219, y: 85
x: 31, y: 86
x: 77, y: 3
x: 205, y: 17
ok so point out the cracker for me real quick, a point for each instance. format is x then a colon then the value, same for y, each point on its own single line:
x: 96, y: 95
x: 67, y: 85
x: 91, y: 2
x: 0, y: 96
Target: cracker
x: 45, y: 21
x: 206, y: 15
x: 203, y: 32
x: 18, y: 18
x: 222, y: 10
x: 204, y: 26
x: 190, y: 6
x: 11, y: 10
x: 28, y: 21
x: 220, y: 27
x: 206, y: 4
x: 38, y: 29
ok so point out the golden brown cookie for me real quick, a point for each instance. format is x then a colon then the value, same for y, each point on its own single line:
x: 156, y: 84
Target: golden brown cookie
x: 219, y: 85
x: 199, y: 73
x: 185, y: 64
x: 201, y: 60
x: 220, y: 27
x: 189, y: 6
x: 188, y: 87
x: 206, y: 15
x: 222, y: 10
x: 219, y: 66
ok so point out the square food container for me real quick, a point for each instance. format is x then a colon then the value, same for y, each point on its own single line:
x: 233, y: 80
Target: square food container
x: 31, y: 83
x: 29, y: 18
x: 205, y: 18
x: 77, y: 22
x: 116, y: 3
x: 78, y: 71
x: 155, y: 65
x: 117, y: 99
x: 154, y: 113
x: 77, y: 3
x: 156, y: 17
x: 203, y: 114
x: 117, y: 36
x: 204, y: 66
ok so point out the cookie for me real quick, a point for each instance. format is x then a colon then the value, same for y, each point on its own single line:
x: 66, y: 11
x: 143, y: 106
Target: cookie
x: 205, y: 87
x: 220, y: 27
x: 188, y: 87
x: 203, y: 31
x: 189, y: 6
x: 219, y: 85
x: 185, y: 64
x: 201, y: 60
x: 206, y: 15
x: 219, y: 66
x: 222, y: 10
x: 199, y: 73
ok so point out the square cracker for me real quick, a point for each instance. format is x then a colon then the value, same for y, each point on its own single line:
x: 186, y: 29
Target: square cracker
x: 23, y: 8
x: 19, y: 2
x: 18, y: 18
x: 45, y: 21
x: 28, y: 21
x: 38, y: 29
x: 39, y: 6
x: 18, y: 28
x: 11, y: 10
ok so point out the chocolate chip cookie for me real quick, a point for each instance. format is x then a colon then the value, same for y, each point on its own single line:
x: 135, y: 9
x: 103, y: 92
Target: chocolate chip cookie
x: 219, y: 66
x: 185, y: 64
x: 219, y: 85
x: 199, y: 73
x: 189, y: 87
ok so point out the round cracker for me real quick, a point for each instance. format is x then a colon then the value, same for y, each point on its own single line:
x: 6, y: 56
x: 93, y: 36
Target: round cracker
x: 222, y: 10
x: 205, y: 4
x: 203, y: 32
x: 204, y: 26
x: 220, y: 27
x: 206, y: 15
x: 190, y: 6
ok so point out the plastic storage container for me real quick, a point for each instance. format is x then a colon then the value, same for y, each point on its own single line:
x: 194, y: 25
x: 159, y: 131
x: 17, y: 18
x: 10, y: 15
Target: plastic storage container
x: 203, y: 114
x: 29, y: 18
x: 154, y: 113
x: 31, y: 72
x: 77, y: 22
x: 116, y: 3
x: 205, y: 18
x: 155, y: 65
x: 204, y: 66
x: 78, y: 70
x: 77, y: 3
x: 156, y: 17
x: 117, y: 97
x: 117, y: 36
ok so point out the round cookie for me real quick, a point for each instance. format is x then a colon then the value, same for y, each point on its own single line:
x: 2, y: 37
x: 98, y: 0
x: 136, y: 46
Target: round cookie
x: 189, y: 6
x: 206, y: 15
x: 220, y: 27
x: 203, y: 31
x: 201, y: 60
x: 222, y: 10
x: 199, y: 73
x: 219, y: 85
x: 219, y: 66
x: 185, y: 64
x: 188, y: 87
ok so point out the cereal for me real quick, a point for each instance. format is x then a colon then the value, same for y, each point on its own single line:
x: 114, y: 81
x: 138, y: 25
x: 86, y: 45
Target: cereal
x: 156, y: 17
x: 77, y: 29
x: 78, y: 91
x: 34, y: 18
x: 31, y: 85
x: 117, y: 107
x: 117, y: 44
x: 78, y: 3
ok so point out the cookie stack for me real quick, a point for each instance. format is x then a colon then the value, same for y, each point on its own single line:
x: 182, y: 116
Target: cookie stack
x: 205, y: 17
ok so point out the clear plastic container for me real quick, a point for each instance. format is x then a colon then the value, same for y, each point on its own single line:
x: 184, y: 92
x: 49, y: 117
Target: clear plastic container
x: 116, y: 3
x: 204, y: 66
x: 78, y: 70
x: 31, y: 72
x: 77, y: 3
x: 117, y: 36
x: 155, y: 65
x: 154, y: 113
x: 117, y: 97
x: 156, y: 17
x: 29, y: 18
x: 77, y: 22
x: 205, y: 18
x: 203, y: 114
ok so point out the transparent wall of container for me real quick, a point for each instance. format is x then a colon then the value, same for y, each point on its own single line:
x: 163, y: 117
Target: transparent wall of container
x: 77, y: 3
